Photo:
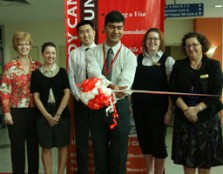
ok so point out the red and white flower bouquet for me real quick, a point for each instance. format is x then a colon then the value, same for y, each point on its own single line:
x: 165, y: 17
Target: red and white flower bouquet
x: 96, y: 95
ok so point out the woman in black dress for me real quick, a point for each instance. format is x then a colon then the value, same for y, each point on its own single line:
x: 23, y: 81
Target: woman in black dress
x: 152, y: 112
x: 197, y: 134
x: 50, y: 87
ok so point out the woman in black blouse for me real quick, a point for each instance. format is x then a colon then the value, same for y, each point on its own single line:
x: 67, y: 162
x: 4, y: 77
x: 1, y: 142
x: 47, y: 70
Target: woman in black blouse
x: 197, y: 134
x: 50, y: 87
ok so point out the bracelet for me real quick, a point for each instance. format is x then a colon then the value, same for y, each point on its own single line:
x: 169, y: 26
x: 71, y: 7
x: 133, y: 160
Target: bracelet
x: 58, y: 114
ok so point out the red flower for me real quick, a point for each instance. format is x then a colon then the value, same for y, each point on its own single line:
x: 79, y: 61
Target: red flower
x: 88, y: 84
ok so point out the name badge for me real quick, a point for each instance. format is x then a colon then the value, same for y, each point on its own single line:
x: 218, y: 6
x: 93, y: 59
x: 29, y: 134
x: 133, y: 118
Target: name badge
x: 204, y: 76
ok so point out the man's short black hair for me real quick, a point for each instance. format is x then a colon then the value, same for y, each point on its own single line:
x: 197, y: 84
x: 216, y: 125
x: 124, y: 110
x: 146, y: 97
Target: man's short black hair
x: 84, y: 22
x: 114, y: 16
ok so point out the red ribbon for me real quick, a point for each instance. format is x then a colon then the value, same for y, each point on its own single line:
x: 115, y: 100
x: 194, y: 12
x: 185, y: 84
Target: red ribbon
x: 99, y: 101
x: 88, y: 84
x: 115, y: 116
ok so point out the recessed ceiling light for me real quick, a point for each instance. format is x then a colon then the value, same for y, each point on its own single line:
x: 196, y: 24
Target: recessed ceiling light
x: 218, y: 6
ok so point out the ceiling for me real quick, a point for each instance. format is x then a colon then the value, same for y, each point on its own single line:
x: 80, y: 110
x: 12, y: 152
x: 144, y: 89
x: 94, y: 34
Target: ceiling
x: 35, y: 11
x: 53, y: 10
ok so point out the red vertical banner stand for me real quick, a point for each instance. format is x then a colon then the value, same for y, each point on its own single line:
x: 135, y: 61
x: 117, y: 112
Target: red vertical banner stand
x: 143, y: 14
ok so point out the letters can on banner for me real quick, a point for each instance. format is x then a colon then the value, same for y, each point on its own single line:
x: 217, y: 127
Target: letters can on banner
x: 139, y: 17
x: 71, y: 19
x: 72, y: 11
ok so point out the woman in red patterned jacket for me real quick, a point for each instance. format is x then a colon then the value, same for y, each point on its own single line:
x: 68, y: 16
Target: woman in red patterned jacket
x: 18, y: 105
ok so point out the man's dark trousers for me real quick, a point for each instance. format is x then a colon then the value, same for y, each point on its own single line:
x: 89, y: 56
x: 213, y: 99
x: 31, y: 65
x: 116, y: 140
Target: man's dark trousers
x: 81, y: 118
x: 110, y: 146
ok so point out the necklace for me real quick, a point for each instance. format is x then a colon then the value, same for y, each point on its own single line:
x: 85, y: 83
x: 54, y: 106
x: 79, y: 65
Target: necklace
x: 196, y: 66
x: 24, y: 62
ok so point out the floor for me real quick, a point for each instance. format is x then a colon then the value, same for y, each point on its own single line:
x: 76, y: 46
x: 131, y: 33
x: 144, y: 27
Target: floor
x: 5, y: 164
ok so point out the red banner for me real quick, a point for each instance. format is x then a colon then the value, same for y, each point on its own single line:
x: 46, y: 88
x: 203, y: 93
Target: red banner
x: 139, y: 15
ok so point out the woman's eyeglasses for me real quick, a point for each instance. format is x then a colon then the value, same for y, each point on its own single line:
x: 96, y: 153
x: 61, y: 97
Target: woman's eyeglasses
x: 194, y: 45
x: 23, y: 44
x: 152, y: 38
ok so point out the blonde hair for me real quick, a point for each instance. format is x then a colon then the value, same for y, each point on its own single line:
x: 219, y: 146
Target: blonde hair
x: 21, y: 36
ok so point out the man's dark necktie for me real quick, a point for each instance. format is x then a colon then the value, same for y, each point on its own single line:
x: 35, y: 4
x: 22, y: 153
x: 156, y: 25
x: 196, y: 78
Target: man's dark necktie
x: 108, y: 62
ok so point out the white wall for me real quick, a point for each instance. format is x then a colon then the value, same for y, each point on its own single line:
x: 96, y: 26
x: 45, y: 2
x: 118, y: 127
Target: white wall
x: 41, y: 32
x: 174, y: 29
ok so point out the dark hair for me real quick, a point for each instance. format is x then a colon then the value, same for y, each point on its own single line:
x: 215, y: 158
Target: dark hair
x: 114, y: 16
x: 205, y: 44
x: 84, y: 22
x: 156, y: 30
x: 47, y: 44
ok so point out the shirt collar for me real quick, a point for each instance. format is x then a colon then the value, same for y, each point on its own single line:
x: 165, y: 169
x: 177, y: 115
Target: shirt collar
x: 91, y: 46
x: 114, y: 48
x: 52, y: 69
x: 158, y: 54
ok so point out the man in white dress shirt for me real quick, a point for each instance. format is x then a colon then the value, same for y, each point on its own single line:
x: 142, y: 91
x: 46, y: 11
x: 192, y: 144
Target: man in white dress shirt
x: 77, y: 74
x: 111, y: 146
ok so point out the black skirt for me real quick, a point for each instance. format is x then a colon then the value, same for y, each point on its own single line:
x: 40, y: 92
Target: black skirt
x: 151, y: 131
x: 56, y: 136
